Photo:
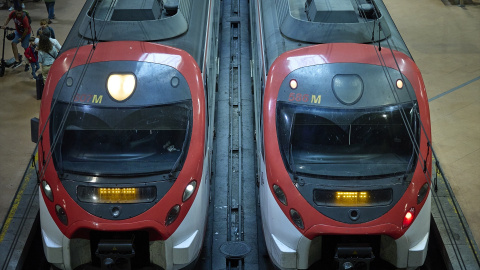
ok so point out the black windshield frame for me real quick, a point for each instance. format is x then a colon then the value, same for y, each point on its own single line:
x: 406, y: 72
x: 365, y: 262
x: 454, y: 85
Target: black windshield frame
x: 346, y: 143
x: 121, y: 141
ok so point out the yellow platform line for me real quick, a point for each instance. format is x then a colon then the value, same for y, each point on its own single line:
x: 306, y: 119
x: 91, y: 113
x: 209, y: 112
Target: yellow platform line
x: 16, y: 203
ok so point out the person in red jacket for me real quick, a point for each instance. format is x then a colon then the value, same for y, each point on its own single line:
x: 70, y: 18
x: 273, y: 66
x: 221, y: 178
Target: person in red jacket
x: 22, y: 31
x: 32, y: 56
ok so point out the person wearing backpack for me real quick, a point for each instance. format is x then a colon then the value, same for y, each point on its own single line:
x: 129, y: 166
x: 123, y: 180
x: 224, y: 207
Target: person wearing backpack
x: 22, y: 31
x: 47, y: 33
x: 47, y: 53
x: 32, y: 55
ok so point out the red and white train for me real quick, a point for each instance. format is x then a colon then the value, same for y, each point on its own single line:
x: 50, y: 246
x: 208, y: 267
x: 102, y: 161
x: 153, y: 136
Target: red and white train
x: 126, y: 130
x: 343, y: 136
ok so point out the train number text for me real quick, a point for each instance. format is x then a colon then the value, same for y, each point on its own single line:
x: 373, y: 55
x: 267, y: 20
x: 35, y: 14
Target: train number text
x: 87, y: 98
x: 298, y: 97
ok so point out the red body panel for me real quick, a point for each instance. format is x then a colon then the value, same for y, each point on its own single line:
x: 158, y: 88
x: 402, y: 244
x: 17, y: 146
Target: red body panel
x: 153, y: 220
x: 316, y: 223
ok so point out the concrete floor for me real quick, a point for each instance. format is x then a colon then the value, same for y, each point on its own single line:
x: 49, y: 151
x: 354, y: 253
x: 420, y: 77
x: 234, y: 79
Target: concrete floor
x: 445, y: 43
x: 18, y: 103
x: 444, y: 40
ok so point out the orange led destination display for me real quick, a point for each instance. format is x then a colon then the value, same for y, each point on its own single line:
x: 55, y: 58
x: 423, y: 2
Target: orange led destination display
x: 352, y: 198
x: 116, y: 194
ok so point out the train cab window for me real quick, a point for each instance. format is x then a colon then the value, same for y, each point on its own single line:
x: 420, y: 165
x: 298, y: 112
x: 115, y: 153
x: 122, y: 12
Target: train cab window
x: 114, y: 141
x: 347, y: 142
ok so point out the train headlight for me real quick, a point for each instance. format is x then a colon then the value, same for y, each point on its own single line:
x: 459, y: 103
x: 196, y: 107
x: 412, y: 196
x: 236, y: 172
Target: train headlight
x: 172, y: 214
x: 61, y: 214
x: 280, y: 194
x: 408, y: 218
x: 422, y: 193
x: 121, y: 86
x: 187, y: 193
x: 293, y: 84
x: 399, y: 84
x: 47, y: 190
x: 297, y: 219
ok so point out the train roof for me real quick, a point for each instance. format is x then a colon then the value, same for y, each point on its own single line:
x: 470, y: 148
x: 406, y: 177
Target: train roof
x: 176, y: 23
x: 291, y: 24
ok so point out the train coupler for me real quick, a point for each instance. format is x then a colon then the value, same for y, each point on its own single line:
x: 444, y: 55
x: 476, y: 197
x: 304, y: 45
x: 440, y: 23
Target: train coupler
x: 115, y: 254
x: 354, y: 257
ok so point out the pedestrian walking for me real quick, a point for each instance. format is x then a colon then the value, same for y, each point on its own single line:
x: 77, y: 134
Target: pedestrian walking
x: 22, y: 32
x: 31, y: 54
x: 50, y: 4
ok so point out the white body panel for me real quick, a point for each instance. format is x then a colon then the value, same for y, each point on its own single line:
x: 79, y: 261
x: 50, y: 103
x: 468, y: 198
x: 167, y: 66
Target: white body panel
x: 282, y: 238
x: 410, y: 250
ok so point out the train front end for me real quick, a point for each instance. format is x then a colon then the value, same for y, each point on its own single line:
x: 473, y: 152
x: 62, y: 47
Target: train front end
x: 347, y: 161
x: 122, y: 165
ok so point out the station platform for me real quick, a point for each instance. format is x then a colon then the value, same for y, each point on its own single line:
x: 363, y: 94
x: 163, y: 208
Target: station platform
x: 444, y: 41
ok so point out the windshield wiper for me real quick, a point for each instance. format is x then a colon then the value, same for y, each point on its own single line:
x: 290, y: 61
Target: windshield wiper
x: 120, y: 175
x: 292, y: 164
x: 413, y: 119
x: 184, y: 145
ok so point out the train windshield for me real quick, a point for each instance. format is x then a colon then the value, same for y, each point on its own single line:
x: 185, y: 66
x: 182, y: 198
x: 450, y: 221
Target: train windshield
x: 121, y: 140
x: 345, y: 143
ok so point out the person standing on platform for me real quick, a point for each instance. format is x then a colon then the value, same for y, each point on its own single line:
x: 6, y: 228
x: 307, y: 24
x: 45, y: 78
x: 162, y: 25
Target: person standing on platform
x: 44, y: 25
x: 22, y: 32
x: 47, y: 53
x: 31, y: 54
x: 50, y: 4
x: 16, y: 3
x: 47, y: 33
